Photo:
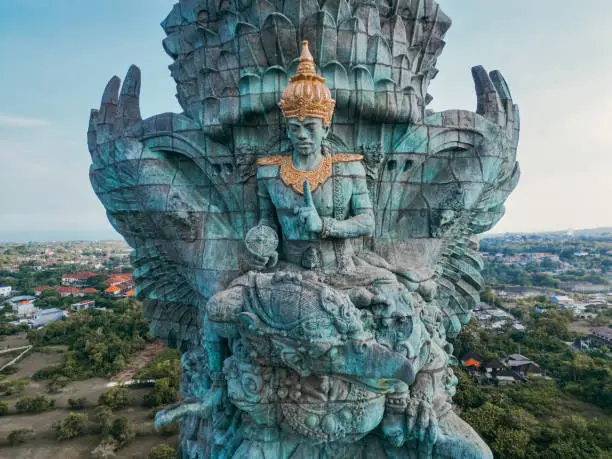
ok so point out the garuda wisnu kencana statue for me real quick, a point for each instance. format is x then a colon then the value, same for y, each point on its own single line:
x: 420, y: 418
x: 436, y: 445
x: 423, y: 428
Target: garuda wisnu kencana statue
x: 304, y: 231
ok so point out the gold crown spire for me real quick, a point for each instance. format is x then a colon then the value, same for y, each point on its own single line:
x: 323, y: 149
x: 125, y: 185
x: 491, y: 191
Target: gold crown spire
x: 306, y: 94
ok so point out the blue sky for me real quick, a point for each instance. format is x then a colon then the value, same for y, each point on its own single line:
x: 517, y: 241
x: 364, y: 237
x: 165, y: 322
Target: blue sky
x: 56, y: 57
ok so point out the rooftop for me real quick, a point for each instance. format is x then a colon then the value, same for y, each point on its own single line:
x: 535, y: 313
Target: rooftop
x: 604, y: 332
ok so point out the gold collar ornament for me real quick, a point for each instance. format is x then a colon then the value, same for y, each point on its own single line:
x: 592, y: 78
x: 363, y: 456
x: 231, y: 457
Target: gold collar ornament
x: 306, y: 94
x: 294, y: 178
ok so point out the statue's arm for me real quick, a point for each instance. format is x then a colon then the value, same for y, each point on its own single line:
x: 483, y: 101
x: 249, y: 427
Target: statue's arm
x: 267, y: 211
x: 361, y: 219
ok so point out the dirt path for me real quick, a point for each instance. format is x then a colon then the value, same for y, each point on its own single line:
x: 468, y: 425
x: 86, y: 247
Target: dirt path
x: 139, y: 361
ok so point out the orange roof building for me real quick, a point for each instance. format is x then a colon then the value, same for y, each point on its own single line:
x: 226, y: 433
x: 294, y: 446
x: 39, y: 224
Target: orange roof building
x: 113, y: 289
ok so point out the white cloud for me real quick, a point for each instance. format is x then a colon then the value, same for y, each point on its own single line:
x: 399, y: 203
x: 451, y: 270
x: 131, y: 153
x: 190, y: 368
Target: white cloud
x: 16, y: 121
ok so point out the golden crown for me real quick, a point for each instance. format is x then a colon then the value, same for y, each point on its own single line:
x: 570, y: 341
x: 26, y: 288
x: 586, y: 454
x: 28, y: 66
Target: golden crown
x: 306, y: 94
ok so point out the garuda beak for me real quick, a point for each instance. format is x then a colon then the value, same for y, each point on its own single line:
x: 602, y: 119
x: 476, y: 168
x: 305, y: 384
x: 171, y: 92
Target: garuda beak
x: 368, y: 360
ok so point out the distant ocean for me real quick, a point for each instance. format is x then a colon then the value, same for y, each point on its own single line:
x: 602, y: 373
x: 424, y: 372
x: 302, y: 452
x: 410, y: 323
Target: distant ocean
x: 43, y: 236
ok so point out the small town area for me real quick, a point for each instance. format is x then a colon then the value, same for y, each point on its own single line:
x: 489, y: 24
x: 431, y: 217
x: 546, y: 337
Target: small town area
x: 79, y: 374
x: 535, y: 363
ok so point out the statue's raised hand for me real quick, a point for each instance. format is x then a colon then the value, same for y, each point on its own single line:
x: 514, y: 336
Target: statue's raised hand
x: 308, y: 216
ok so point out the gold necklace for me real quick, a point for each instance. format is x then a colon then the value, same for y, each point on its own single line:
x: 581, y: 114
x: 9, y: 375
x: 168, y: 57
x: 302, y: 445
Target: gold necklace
x: 295, y: 177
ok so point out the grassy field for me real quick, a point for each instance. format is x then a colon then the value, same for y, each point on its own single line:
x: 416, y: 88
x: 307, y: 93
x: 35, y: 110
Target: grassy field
x: 43, y: 444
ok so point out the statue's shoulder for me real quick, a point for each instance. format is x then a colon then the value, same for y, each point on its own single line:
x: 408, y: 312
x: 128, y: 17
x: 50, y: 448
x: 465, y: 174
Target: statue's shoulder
x: 268, y: 167
x: 349, y: 164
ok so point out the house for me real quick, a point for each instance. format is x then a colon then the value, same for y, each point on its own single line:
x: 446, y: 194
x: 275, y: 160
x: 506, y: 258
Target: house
x: 90, y: 291
x: 472, y: 361
x: 117, y: 279
x: 46, y: 316
x: 562, y: 300
x: 24, y: 309
x: 492, y: 367
x: 41, y: 289
x: 23, y: 306
x: 129, y: 293
x: 505, y: 377
x: 83, y: 305
x: 5, y: 291
x: 113, y: 290
x: 601, y: 336
x: 522, y: 365
x: 76, y: 280
x: 69, y: 291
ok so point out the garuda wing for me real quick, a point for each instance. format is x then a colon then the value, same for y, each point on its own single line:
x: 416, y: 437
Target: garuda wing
x: 446, y: 182
x: 168, y: 190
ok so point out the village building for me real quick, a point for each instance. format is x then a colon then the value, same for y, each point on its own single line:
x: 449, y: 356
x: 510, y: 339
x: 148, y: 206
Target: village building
x: 5, y: 291
x: 46, y: 316
x: 505, y: 377
x: 472, y: 361
x: 82, y: 305
x: 113, y: 290
x: 69, y: 291
x: 522, y: 365
x: 492, y: 367
x: 77, y: 280
x: 23, y: 306
x: 601, y: 336
x: 41, y: 289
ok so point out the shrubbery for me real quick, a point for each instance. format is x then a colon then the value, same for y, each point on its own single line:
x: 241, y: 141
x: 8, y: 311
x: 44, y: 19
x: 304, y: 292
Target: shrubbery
x: 19, y: 436
x: 36, y: 404
x: 166, y: 369
x: 116, y: 398
x: 121, y: 431
x: 162, y: 451
x: 13, y: 387
x: 77, y: 403
x: 73, y: 426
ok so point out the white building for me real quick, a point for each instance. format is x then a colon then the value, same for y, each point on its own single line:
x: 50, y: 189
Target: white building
x: 45, y: 317
x: 83, y: 305
x: 23, y: 306
x: 562, y: 300
x: 5, y: 291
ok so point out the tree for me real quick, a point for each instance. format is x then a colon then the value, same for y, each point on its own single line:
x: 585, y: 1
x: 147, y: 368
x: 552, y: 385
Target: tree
x: 4, y: 409
x: 116, y: 398
x: 103, y: 415
x: 121, y: 431
x: 37, y: 404
x: 73, y: 426
x: 19, y: 436
x: 512, y: 444
x: 162, y: 451
x: 163, y: 393
x: 78, y: 403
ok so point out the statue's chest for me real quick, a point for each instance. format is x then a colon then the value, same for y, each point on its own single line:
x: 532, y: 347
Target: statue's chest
x: 331, y: 198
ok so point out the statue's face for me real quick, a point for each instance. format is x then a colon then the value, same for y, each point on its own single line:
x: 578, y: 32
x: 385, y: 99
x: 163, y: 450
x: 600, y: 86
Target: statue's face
x: 306, y: 135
